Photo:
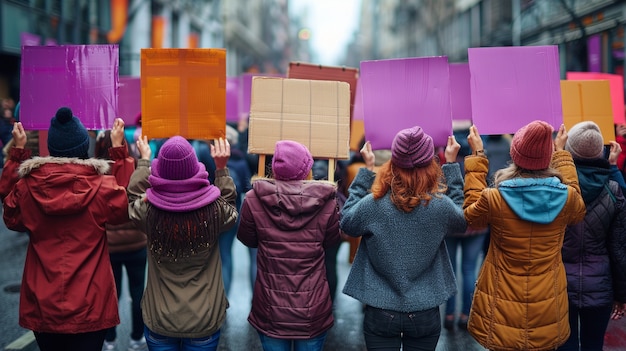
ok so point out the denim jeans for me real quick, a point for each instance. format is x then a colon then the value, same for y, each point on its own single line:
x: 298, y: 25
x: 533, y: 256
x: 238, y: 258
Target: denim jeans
x: 157, y: 342
x: 470, y: 247
x: 588, y: 326
x: 273, y: 344
x: 390, y: 330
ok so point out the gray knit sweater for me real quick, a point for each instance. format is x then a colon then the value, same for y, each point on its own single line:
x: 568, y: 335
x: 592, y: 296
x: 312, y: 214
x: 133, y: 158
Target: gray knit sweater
x: 402, y: 263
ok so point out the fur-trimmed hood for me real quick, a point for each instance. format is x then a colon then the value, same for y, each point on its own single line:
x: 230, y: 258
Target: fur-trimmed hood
x: 100, y: 166
x: 63, y: 186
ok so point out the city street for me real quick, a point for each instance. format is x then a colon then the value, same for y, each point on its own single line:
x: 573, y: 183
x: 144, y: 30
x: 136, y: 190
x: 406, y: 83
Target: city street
x: 346, y: 335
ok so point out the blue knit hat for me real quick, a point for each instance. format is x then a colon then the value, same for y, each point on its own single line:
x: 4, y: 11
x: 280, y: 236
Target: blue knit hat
x: 67, y: 137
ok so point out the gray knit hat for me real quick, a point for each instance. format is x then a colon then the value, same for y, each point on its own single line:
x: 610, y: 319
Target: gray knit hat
x: 584, y: 141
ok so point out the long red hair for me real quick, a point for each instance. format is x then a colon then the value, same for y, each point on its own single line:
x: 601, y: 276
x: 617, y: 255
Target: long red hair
x: 409, y: 188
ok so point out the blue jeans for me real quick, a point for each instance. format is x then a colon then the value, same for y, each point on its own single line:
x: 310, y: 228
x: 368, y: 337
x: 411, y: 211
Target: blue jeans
x: 135, y: 263
x: 470, y: 247
x: 390, y: 330
x: 157, y: 342
x: 588, y: 326
x: 273, y: 344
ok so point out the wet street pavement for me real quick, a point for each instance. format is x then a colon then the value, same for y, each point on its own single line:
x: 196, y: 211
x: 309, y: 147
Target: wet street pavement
x: 237, y: 335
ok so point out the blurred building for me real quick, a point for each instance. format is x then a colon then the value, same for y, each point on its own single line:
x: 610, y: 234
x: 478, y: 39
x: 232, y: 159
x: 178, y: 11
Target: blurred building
x: 255, y: 33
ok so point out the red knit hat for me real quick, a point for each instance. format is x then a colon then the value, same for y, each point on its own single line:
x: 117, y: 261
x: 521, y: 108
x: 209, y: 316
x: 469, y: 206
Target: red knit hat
x: 412, y: 148
x: 531, y: 147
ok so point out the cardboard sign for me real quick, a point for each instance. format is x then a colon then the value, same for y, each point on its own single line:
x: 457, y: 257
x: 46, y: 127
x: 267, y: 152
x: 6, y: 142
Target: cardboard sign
x: 403, y: 93
x: 245, y: 91
x: 183, y: 92
x: 81, y: 77
x: 129, y: 99
x: 301, y: 70
x: 588, y: 100
x: 232, y: 99
x: 616, y: 82
x: 460, y: 94
x: 513, y: 86
x: 315, y: 113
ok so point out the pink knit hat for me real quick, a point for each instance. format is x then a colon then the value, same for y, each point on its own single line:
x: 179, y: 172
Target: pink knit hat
x: 532, y: 146
x: 291, y: 161
x: 179, y: 183
x: 412, y: 148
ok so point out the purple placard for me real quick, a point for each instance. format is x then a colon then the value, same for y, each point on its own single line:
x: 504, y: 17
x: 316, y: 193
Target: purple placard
x: 129, y: 100
x: 357, y: 113
x: 513, y: 86
x: 50, y: 42
x: 29, y: 39
x: 232, y: 99
x: 402, y: 93
x: 594, y: 53
x: 81, y: 77
x: 460, y: 96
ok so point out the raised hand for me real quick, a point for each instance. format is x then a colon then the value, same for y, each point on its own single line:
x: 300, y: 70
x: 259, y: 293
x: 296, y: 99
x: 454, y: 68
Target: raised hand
x: 614, y: 152
x: 474, y: 140
x: 143, y: 147
x: 19, y: 135
x: 452, y: 149
x: 560, y: 139
x: 220, y: 151
x: 368, y: 156
x: 117, y: 133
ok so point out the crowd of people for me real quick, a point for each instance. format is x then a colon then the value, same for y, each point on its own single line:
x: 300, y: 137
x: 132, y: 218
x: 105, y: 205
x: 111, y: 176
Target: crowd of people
x: 534, y: 222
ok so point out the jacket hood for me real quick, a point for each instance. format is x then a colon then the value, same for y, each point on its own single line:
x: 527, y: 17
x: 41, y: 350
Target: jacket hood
x: 537, y: 200
x: 63, y: 186
x: 292, y: 204
x: 592, y: 176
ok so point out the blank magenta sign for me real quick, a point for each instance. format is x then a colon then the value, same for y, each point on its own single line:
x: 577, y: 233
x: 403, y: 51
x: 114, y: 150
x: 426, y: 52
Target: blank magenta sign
x: 129, y: 99
x: 460, y: 95
x: 402, y: 93
x: 82, y: 77
x: 513, y: 86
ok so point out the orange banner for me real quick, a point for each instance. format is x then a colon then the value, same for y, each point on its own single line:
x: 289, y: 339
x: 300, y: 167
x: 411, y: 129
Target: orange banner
x: 119, y: 19
x: 158, y: 31
x: 193, y: 40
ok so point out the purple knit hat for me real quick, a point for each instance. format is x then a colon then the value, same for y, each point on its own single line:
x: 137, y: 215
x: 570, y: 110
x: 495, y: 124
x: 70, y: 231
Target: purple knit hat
x: 179, y: 183
x: 412, y: 148
x: 291, y: 161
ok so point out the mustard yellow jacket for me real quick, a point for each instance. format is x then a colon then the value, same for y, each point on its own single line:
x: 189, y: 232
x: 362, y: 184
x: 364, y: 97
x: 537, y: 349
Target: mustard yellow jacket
x: 520, y: 301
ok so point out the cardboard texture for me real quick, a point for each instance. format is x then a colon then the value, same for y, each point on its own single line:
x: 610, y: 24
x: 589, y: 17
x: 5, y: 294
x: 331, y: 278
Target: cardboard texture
x: 460, y: 94
x: 301, y: 70
x: 312, y: 112
x: 232, y: 99
x: 616, y: 82
x: 588, y: 100
x: 129, y: 102
x: 513, y: 86
x: 403, y: 93
x: 183, y: 92
x: 81, y: 77
x: 245, y: 91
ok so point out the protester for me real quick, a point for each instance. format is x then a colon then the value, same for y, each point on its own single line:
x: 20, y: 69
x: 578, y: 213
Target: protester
x: 64, y: 202
x: 127, y: 249
x: 292, y: 222
x: 239, y: 171
x: 520, y: 299
x: 593, y: 249
x: 182, y: 213
x: 402, y: 271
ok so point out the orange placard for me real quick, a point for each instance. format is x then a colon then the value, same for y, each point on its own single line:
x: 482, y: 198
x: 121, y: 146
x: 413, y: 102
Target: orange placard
x: 183, y: 92
x: 588, y: 100
x: 616, y: 82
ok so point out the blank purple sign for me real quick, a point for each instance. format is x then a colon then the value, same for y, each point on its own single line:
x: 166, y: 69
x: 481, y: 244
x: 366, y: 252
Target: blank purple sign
x: 81, y: 77
x: 513, y: 86
x: 460, y: 95
x: 402, y: 93
x: 129, y: 100
x: 232, y: 99
x: 357, y: 112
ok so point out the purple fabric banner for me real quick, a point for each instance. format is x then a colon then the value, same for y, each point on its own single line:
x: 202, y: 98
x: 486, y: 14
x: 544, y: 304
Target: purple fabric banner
x: 29, y: 39
x: 81, y: 77
x: 232, y: 99
x: 460, y: 96
x: 513, y: 86
x: 402, y: 93
x: 129, y: 100
x: 357, y: 113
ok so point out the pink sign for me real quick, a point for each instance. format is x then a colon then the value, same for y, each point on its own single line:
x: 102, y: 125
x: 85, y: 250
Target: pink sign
x: 81, y: 77
x: 357, y: 113
x: 513, y: 86
x: 129, y: 100
x: 460, y: 96
x: 232, y: 99
x: 402, y: 93
x: 616, y: 82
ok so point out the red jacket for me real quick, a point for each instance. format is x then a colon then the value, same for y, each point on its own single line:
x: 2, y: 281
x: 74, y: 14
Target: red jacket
x: 64, y: 205
x: 291, y: 223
